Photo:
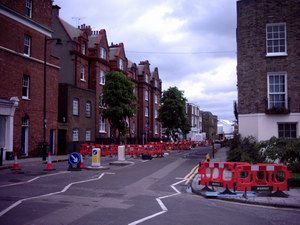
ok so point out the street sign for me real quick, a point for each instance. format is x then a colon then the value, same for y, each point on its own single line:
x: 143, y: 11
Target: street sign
x: 74, y: 160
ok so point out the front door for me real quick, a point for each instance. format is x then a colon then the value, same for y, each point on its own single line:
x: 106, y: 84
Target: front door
x: 61, y: 142
x: 24, y: 137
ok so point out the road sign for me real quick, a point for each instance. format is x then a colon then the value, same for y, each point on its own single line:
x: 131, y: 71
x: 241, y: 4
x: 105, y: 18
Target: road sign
x: 96, y: 157
x: 74, y: 160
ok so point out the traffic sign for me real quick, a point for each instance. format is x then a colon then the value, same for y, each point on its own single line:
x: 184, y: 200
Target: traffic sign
x: 74, y: 160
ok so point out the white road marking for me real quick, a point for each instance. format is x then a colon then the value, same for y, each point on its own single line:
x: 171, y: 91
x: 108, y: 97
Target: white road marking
x: 50, y: 194
x: 161, y: 204
x: 33, y: 179
x: 191, y: 175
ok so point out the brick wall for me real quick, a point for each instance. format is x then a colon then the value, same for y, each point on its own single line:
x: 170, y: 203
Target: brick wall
x: 253, y: 65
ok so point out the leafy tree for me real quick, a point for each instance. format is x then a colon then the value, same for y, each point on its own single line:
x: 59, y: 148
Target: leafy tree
x: 119, y: 99
x: 172, y: 113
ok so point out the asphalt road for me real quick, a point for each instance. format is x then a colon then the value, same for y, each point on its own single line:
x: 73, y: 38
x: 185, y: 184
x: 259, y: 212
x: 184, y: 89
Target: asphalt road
x: 146, y: 192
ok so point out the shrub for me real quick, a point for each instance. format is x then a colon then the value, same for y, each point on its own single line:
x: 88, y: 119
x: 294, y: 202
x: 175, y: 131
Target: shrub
x: 244, y: 150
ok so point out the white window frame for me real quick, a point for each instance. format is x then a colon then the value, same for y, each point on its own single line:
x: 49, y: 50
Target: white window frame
x: 75, y: 134
x: 88, y: 135
x: 146, y: 112
x: 102, y: 125
x: 102, y: 77
x: 156, y: 129
x: 27, y: 45
x: 25, y: 86
x: 121, y: 64
x: 83, y: 48
x: 75, y: 107
x: 285, y: 92
x: 88, y: 109
x: 101, y: 101
x: 102, y: 53
x: 82, y: 70
x: 28, y: 6
x: 274, y: 37
x: 146, y: 95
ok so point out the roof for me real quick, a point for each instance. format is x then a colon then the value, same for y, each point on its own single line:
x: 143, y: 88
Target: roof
x: 72, y: 31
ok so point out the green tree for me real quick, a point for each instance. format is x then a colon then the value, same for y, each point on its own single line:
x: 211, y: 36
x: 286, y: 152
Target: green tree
x: 119, y: 99
x: 172, y: 113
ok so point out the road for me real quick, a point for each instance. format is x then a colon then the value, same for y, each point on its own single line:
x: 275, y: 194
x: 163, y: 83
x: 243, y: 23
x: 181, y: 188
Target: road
x: 146, y: 192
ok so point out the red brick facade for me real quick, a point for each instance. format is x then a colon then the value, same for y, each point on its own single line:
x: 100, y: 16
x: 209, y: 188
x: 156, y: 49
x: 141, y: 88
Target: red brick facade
x: 14, y: 65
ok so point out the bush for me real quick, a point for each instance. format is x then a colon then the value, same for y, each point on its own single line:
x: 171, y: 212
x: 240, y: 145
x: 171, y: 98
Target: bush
x: 244, y: 150
x: 286, y: 151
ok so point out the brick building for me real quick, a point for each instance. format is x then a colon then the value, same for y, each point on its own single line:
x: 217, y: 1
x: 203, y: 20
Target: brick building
x: 194, y: 116
x: 268, y: 68
x: 24, y: 41
x: 85, y: 59
x: 209, y: 125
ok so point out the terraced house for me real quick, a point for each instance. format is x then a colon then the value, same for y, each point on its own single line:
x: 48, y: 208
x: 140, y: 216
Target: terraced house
x: 268, y: 69
x: 29, y: 77
x: 52, y: 78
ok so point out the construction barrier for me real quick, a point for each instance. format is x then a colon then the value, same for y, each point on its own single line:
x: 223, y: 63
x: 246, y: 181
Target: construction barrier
x: 242, y: 176
x: 262, y: 177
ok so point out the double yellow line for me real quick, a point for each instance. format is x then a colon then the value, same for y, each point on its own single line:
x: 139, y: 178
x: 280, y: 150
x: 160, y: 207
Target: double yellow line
x: 191, y: 174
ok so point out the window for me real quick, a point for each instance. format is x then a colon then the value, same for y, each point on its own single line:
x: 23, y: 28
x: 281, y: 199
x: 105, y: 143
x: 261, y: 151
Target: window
x: 28, y: 8
x: 88, y: 134
x: 27, y: 45
x: 146, y: 112
x: 155, y: 83
x: 101, y: 101
x: 277, y: 92
x: 75, y: 134
x: 276, y: 39
x: 25, y: 87
x: 88, y: 109
x: 82, y: 73
x: 83, y: 48
x: 102, y: 77
x: 102, y: 124
x: 155, y: 99
x: 121, y: 64
x: 75, y: 107
x: 146, y: 78
x: 287, y: 130
x: 156, y: 129
x: 102, y: 53
x: 155, y: 113
x: 146, y: 95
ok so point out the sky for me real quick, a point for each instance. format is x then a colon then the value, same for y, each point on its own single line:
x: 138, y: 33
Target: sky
x: 191, y: 42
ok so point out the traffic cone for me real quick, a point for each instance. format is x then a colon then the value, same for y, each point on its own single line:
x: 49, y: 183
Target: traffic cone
x: 82, y: 165
x: 49, y: 163
x: 16, y: 165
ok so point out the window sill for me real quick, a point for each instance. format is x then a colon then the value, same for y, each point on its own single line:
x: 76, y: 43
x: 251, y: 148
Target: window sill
x: 82, y: 80
x: 102, y: 132
x: 25, y: 98
x: 276, y: 54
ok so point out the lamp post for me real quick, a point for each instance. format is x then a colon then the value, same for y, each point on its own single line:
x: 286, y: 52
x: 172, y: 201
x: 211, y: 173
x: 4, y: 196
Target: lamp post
x: 58, y: 42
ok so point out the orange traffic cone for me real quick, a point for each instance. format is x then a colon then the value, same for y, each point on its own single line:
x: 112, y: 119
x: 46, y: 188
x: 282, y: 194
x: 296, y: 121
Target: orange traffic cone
x: 82, y: 165
x: 16, y: 165
x: 49, y: 163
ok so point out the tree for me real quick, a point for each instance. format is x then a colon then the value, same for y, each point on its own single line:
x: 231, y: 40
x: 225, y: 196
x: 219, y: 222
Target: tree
x: 119, y: 99
x: 172, y: 113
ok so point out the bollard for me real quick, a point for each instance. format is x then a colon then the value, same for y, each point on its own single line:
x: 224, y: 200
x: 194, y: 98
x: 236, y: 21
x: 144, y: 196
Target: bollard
x: 121, y: 153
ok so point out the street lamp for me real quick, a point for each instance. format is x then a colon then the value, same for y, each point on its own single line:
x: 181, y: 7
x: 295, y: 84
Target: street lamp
x: 58, y: 42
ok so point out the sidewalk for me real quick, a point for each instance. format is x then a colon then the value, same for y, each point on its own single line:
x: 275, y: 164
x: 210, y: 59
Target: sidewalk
x: 23, y: 161
x: 292, y: 201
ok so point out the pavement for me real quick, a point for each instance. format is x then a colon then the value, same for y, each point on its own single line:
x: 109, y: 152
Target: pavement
x: 291, y: 200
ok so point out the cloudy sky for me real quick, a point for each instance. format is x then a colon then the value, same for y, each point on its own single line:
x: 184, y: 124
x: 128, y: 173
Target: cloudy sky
x: 192, y: 42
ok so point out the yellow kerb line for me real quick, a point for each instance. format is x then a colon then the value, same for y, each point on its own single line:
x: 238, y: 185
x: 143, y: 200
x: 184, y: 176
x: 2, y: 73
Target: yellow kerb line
x: 191, y: 174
